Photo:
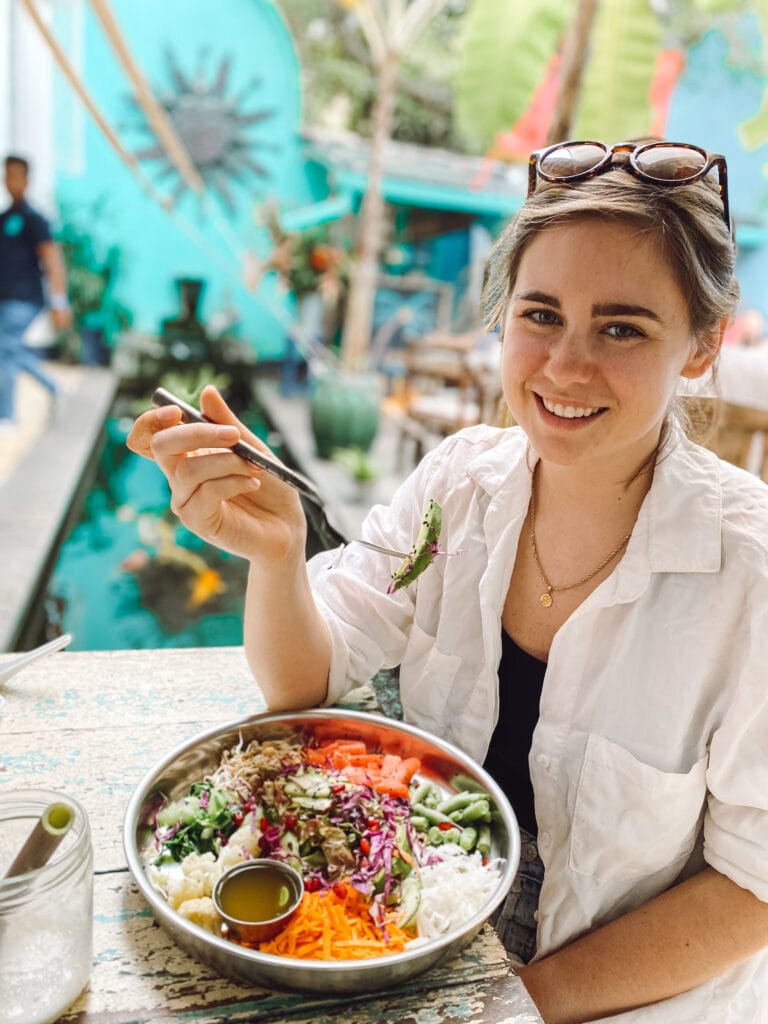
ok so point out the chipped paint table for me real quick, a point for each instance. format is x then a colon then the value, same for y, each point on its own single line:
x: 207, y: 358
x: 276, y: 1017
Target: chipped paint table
x: 92, y: 724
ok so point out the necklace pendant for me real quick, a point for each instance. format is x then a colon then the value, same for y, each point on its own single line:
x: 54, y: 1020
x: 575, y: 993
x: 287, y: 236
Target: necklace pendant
x: 546, y: 599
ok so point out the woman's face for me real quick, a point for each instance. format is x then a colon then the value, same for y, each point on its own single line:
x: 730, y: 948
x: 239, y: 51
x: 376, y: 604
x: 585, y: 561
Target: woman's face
x: 596, y: 335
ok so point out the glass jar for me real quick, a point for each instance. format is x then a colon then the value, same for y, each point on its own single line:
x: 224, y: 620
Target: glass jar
x: 46, y: 915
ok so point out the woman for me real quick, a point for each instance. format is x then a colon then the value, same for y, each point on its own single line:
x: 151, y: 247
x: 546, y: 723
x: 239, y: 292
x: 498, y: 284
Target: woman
x: 606, y: 616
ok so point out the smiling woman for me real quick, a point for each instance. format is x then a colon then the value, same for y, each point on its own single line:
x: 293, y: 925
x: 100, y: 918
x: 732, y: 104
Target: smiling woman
x: 572, y: 647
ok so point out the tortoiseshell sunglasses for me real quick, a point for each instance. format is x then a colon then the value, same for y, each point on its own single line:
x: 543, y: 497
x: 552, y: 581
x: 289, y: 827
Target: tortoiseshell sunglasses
x: 661, y: 163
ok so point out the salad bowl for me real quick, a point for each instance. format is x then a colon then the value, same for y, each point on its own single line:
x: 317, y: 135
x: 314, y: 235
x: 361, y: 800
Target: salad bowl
x: 441, y: 764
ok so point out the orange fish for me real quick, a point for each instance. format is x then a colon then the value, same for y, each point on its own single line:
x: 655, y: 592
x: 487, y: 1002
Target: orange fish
x: 206, y: 584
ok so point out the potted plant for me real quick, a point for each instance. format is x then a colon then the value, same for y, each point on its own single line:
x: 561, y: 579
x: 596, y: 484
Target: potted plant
x: 96, y: 314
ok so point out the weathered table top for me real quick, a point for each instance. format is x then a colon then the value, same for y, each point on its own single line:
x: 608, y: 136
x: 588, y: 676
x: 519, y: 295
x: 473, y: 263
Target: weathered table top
x: 92, y: 724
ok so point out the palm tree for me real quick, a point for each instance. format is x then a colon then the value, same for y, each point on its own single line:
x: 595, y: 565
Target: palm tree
x: 390, y: 27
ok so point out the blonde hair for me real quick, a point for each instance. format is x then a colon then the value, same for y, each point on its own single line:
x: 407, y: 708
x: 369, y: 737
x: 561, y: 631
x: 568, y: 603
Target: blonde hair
x: 686, y: 219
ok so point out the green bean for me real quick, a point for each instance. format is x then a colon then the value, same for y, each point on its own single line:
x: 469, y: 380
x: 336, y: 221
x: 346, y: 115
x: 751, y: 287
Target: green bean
x: 477, y: 811
x: 421, y: 793
x: 419, y: 822
x: 458, y: 801
x: 484, y: 840
x: 468, y: 838
x: 431, y: 814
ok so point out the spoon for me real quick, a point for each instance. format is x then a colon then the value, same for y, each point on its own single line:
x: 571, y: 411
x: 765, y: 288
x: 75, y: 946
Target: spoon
x: 10, y: 668
x: 314, y: 506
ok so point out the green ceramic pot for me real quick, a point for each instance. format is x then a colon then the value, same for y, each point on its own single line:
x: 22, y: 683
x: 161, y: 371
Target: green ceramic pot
x: 344, y: 411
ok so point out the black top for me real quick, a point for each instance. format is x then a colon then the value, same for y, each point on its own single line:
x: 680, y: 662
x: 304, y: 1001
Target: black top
x: 521, y: 677
x: 22, y: 230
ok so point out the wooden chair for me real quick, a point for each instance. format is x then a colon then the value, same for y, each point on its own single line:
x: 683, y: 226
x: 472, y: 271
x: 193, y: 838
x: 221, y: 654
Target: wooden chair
x: 736, y: 433
x: 447, y: 387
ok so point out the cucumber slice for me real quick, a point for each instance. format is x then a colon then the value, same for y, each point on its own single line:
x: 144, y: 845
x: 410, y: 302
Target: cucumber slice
x: 410, y: 900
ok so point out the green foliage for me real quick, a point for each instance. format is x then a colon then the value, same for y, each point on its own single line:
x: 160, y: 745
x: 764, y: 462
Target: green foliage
x: 357, y: 463
x: 616, y: 87
x: 92, y: 271
x: 505, y: 52
x: 506, y: 48
x: 340, y: 84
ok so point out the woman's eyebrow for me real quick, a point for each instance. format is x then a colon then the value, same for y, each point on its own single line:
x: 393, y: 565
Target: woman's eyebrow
x: 623, y: 309
x: 534, y: 296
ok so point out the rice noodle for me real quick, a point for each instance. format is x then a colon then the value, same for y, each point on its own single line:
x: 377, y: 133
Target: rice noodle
x: 453, y: 890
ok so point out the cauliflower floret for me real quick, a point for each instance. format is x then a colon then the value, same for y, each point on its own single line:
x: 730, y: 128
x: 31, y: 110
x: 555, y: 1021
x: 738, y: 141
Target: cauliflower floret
x: 243, y: 843
x: 203, y: 912
x: 200, y: 872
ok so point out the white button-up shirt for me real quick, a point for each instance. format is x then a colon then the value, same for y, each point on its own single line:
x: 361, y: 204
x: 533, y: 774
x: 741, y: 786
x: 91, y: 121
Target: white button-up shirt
x: 650, y: 756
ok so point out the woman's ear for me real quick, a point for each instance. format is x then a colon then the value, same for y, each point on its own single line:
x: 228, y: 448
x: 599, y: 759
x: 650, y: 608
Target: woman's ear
x: 705, y: 355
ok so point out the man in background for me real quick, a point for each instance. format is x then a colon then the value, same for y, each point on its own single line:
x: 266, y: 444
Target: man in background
x: 28, y: 257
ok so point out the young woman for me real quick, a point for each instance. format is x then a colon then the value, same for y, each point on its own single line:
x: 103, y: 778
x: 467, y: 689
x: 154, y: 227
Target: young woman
x: 600, y: 640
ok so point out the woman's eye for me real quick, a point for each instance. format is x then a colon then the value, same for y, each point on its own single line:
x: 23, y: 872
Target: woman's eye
x: 624, y: 332
x: 544, y: 317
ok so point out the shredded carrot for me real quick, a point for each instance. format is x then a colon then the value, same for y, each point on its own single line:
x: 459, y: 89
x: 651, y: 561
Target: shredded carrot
x: 328, y: 926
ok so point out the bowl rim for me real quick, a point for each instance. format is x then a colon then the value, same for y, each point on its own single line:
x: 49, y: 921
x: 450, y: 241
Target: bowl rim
x: 164, y: 913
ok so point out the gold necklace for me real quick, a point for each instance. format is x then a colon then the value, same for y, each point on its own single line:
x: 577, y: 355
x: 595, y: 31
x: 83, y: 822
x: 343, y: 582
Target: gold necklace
x: 546, y: 598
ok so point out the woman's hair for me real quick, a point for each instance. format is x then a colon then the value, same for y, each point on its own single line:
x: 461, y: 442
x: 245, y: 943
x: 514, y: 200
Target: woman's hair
x: 687, y: 220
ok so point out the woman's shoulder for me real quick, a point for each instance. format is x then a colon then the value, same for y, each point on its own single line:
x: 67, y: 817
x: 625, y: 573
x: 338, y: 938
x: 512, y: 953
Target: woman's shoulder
x: 741, y: 495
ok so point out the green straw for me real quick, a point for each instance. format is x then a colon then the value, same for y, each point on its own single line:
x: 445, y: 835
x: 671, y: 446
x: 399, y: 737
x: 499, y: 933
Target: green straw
x: 49, y: 830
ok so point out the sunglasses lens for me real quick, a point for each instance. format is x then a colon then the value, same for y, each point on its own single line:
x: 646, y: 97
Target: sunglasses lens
x: 566, y: 161
x: 671, y: 163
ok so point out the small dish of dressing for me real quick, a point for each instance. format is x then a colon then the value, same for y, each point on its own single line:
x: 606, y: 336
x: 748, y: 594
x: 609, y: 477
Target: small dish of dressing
x: 257, y: 898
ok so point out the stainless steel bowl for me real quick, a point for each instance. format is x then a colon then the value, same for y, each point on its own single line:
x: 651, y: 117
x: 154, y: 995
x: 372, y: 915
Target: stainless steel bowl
x: 189, y: 762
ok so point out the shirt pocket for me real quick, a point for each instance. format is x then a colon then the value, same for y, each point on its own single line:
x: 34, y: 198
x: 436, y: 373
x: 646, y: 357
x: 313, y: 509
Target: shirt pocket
x: 426, y: 678
x: 631, y: 819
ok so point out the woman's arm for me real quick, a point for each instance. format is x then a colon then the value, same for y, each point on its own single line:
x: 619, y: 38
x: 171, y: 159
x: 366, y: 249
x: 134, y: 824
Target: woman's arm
x: 286, y: 639
x: 676, y: 941
x: 234, y: 505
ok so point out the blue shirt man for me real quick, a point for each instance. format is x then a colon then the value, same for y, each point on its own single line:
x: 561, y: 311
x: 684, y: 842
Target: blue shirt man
x: 28, y: 257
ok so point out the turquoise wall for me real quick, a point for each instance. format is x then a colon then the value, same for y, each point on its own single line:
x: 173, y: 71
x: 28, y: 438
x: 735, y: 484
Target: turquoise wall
x: 200, y: 240
x: 711, y: 100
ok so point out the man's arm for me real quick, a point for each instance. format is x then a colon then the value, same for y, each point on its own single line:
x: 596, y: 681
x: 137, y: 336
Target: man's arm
x: 52, y: 262
x: 676, y: 941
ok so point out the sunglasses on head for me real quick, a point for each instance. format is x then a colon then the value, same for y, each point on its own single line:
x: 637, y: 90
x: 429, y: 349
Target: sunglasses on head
x: 660, y: 163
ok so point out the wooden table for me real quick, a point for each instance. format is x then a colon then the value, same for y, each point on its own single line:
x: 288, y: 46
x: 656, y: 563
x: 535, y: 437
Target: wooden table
x: 91, y: 724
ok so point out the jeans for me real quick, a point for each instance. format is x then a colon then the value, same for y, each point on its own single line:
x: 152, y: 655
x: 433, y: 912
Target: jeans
x: 15, y: 356
x: 515, y: 920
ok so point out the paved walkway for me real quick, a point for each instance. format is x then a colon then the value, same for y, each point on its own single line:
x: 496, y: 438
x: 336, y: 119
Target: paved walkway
x: 41, y: 469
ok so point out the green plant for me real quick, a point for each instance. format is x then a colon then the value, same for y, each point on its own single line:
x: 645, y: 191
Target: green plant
x: 91, y: 276
x: 357, y: 463
x: 306, y: 261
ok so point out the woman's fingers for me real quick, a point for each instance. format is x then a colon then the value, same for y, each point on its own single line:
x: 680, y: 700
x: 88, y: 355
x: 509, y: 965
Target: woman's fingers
x: 145, y: 427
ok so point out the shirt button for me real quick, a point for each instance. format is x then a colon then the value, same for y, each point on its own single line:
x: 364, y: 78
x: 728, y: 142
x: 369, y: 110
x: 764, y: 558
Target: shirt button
x: 544, y: 838
x: 528, y: 852
x: 543, y: 760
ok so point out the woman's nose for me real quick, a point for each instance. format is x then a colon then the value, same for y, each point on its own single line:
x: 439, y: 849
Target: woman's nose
x: 570, y: 357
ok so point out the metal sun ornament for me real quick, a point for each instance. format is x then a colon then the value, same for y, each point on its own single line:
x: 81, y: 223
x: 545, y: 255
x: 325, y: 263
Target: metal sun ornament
x: 213, y: 126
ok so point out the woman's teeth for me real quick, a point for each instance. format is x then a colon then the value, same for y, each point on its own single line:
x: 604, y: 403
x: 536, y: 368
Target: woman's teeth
x: 569, y: 412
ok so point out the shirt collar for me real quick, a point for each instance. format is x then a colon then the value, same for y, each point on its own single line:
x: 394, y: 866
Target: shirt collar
x: 680, y: 522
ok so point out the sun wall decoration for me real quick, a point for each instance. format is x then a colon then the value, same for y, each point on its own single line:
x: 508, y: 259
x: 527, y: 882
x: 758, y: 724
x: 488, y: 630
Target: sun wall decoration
x: 213, y: 123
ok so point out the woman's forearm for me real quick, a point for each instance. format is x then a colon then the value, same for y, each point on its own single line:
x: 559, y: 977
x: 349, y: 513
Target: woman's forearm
x: 286, y: 640
x: 676, y: 941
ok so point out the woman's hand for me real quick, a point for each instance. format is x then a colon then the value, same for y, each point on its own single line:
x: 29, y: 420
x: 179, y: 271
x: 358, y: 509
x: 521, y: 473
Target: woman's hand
x: 221, y: 497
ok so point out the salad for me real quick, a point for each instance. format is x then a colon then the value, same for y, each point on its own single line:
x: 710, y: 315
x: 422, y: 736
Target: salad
x: 382, y: 850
